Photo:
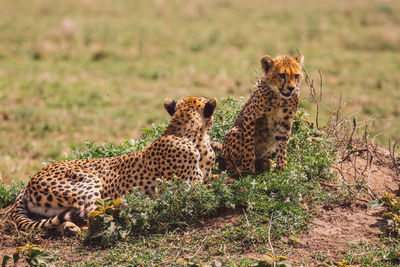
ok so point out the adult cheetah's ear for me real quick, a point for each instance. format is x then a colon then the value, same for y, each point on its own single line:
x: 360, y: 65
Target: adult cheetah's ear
x: 300, y: 60
x: 266, y: 63
x: 209, y: 108
x: 170, y: 106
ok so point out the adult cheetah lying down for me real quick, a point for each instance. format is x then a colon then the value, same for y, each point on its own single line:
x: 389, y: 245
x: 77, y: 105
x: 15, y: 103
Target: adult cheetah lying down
x: 263, y: 126
x: 64, y: 193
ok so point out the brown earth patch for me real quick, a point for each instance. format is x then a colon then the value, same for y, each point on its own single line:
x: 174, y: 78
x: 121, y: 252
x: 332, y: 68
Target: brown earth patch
x: 334, y: 225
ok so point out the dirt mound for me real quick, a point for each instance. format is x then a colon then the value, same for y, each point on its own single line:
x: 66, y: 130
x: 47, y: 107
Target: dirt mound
x: 334, y: 225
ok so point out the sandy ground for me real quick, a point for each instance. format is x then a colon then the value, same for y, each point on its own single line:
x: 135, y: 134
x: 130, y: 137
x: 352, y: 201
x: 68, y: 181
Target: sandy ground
x: 334, y: 225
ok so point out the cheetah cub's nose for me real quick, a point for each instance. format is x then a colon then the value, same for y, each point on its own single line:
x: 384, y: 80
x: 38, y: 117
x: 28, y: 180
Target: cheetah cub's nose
x: 291, y: 88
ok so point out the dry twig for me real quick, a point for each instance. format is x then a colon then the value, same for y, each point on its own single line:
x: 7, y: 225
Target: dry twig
x: 269, y: 234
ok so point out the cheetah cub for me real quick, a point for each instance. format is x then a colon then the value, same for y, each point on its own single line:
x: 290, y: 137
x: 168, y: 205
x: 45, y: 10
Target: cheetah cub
x: 263, y: 126
x: 63, y: 194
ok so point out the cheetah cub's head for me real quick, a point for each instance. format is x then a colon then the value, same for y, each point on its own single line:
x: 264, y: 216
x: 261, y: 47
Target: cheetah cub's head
x: 283, y: 73
x: 191, y: 112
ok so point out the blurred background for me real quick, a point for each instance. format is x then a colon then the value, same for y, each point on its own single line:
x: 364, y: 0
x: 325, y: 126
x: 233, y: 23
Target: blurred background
x: 98, y: 70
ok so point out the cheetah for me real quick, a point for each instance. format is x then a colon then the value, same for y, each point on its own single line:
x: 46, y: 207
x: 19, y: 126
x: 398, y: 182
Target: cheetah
x: 63, y: 193
x: 263, y: 126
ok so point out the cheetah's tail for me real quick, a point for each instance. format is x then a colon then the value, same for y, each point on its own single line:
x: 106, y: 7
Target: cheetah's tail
x: 19, y: 214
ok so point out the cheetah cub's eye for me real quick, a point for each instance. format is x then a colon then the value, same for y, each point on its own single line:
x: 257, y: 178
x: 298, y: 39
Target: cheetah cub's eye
x: 296, y: 76
x: 282, y: 75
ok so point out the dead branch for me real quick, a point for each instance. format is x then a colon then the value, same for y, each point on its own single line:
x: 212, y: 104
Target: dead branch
x: 352, y: 133
x: 330, y: 185
x: 392, y: 149
x: 338, y: 109
x: 367, y: 187
x: 352, y: 152
x: 269, y: 234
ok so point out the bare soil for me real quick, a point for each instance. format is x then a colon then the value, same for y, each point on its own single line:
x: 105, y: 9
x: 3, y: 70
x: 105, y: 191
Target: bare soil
x: 331, y: 228
x: 334, y: 225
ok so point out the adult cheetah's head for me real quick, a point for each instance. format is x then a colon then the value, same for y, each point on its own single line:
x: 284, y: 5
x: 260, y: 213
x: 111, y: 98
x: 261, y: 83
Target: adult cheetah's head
x: 191, y: 110
x: 283, y: 73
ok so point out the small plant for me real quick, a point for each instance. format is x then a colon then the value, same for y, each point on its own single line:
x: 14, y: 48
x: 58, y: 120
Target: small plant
x: 105, y: 224
x: 393, y: 215
x: 104, y: 206
x: 225, y: 115
x: 32, y: 255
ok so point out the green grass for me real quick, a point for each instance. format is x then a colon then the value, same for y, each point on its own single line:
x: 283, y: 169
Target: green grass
x: 99, y: 70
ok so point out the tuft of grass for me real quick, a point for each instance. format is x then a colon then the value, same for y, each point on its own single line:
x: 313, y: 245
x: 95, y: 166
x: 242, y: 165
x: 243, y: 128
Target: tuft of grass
x: 225, y: 115
x: 9, y: 193
x: 386, y: 252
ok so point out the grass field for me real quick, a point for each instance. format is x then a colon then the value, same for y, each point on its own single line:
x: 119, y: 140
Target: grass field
x: 73, y: 71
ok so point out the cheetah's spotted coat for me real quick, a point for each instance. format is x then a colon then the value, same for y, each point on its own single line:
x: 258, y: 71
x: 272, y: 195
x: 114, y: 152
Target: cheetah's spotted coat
x: 263, y: 126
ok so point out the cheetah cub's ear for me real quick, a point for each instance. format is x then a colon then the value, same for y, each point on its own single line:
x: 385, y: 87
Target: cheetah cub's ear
x: 300, y: 60
x: 170, y: 106
x: 209, y: 108
x: 267, y: 63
